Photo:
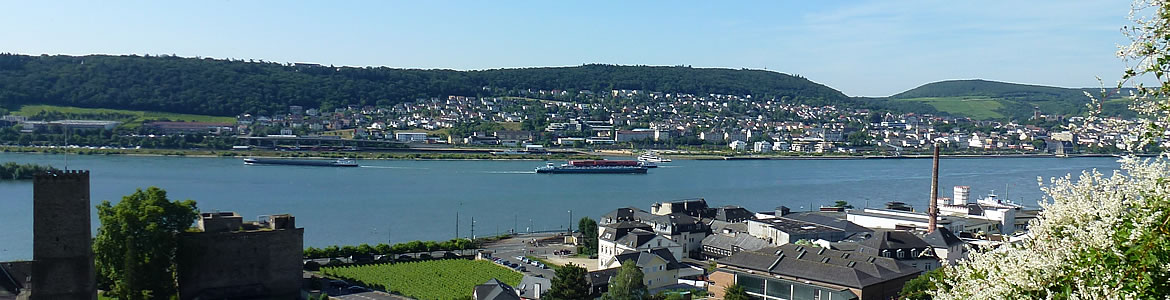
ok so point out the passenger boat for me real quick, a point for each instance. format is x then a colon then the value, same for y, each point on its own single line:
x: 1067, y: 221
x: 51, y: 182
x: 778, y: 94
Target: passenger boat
x: 344, y: 162
x: 652, y: 157
x: 594, y: 167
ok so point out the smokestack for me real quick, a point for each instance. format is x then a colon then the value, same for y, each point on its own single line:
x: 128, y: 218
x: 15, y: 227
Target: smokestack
x: 933, y: 212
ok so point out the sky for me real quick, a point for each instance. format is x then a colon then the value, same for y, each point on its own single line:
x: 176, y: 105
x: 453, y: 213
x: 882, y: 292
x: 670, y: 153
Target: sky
x: 862, y: 48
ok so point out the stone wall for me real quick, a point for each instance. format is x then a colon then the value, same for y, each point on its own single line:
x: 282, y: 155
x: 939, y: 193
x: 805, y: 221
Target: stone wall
x: 62, y: 242
x: 261, y: 264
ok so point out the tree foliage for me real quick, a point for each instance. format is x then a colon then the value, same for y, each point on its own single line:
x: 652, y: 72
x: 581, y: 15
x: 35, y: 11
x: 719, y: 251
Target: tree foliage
x: 15, y: 171
x: 569, y: 283
x: 735, y: 292
x: 230, y: 87
x: 919, y: 288
x: 588, y: 243
x: 1100, y: 237
x: 627, y: 284
x: 134, y: 250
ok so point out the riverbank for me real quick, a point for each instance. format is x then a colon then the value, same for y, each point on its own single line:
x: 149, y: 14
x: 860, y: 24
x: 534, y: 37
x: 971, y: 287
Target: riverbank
x: 484, y: 154
x: 422, y: 154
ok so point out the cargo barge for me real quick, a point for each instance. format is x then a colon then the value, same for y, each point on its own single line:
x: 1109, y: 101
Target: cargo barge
x: 344, y: 162
x: 594, y: 167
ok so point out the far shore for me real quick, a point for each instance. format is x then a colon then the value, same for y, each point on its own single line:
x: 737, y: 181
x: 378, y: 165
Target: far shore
x: 438, y: 154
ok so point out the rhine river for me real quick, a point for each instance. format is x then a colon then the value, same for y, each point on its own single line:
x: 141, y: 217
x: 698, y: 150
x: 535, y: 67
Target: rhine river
x: 403, y: 200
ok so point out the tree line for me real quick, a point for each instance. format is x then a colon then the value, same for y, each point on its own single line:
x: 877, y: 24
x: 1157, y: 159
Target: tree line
x: 226, y: 87
x: 15, y: 171
x: 387, y: 249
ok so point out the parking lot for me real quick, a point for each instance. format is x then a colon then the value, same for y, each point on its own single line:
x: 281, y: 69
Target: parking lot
x: 542, y: 245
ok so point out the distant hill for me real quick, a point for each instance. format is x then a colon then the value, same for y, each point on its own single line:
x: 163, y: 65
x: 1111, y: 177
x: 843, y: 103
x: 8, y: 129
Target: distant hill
x: 229, y: 87
x: 982, y: 99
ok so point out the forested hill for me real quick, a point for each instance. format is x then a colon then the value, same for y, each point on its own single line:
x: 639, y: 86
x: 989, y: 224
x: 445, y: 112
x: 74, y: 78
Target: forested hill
x: 1007, y: 100
x: 977, y: 87
x: 230, y: 87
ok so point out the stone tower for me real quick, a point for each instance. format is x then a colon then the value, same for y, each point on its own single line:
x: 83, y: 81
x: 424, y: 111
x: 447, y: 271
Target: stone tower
x: 62, y: 242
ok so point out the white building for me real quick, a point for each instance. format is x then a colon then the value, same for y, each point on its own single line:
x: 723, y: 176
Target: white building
x: 738, y: 145
x: 410, y: 137
x: 763, y: 147
x: 629, y: 237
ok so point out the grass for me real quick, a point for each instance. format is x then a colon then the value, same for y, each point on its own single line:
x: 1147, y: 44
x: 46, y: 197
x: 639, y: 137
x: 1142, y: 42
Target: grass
x: 436, y: 279
x: 132, y: 118
x: 975, y: 107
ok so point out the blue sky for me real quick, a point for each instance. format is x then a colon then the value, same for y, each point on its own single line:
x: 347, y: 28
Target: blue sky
x: 863, y: 48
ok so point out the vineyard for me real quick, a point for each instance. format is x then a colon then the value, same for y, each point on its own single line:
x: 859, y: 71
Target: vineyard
x: 436, y: 279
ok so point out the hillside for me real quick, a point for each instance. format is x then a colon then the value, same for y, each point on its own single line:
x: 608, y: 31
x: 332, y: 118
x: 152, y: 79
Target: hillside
x: 228, y: 87
x: 982, y: 99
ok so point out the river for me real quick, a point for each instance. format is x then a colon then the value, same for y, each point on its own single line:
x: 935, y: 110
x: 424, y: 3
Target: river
x: 403, y: 200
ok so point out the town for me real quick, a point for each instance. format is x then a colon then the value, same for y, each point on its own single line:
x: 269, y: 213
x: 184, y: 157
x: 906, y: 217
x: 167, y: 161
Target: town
x: 683, y: 248
x: 618, y: 119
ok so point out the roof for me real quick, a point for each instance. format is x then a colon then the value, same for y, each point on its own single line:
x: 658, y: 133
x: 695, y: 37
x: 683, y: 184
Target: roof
x: 733, y: 213
x: 13, y: 277
x: 746, y: 242
x: 493, y: 289
x: 942, y: 238
x: 846, y: 268
x: 797, y: 227
x: 527, y: 286
x: 601, y: 277
x: 893, y: 239
x: 636, y: 238
x: 643, y: 258
x: 625, y: 214
x: 718, y: 226
x: 835, y: 220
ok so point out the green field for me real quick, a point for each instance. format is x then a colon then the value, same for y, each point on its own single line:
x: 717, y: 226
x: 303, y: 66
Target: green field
x: 436, y: 279
x: 131, y: 118
x: 981, y: 108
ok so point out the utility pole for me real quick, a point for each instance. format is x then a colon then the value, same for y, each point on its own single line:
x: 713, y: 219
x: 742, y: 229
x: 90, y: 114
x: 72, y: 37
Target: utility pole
x: 570, y: 222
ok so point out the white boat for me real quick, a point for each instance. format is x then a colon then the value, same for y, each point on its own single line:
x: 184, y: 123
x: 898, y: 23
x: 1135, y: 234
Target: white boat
x: 652, y: 157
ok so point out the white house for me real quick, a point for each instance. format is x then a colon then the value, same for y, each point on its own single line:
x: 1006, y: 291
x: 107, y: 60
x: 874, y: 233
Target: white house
x: 629, y: 237
x: 738, y: 145
x: 762, y: 147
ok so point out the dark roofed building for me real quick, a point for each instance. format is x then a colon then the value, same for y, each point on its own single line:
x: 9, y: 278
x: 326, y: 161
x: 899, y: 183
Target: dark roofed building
x: 692, y: 207
x: 599, y: 281
x: 494, y: 290
x: 733, y: 214
x: 903, y: 246
x: 799, y: 272
x: 659, y: 267
x: 722, y: 245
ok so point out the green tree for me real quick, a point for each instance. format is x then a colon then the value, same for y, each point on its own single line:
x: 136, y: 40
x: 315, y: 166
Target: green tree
x: 134, y: 250
x: 735, y: 292
x: 588, y: 243
x: 916, y: 289
x: 842, y: 204
x: 627, y: 284
x: 569, y: 283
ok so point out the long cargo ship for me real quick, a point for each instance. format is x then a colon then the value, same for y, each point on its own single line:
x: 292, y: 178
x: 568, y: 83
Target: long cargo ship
x: 594, y: 167
x: 344, y: 162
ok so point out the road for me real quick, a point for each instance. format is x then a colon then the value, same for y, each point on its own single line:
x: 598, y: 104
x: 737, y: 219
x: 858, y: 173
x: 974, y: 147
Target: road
x: 522, y: 245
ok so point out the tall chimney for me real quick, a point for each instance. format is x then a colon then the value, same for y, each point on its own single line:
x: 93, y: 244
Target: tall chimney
x: 933, y: 212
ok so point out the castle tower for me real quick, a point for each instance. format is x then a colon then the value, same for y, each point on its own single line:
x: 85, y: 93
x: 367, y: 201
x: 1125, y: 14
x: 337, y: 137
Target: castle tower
x: 62, y: 242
